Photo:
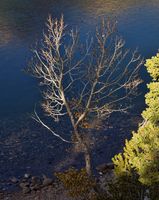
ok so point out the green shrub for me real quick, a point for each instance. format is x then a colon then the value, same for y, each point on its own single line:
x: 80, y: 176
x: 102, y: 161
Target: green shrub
x: 77, y: 183
x: 126, y: 188
x: 141, y: 153
x: 80, y: 186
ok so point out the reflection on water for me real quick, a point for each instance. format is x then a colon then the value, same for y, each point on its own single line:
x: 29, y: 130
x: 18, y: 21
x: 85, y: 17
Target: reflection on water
x: 21, y: 19
x: 22, y: 22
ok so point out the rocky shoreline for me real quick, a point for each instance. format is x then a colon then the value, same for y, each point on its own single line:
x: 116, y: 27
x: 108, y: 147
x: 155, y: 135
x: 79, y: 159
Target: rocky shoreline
x: 30, y: 154
x: 32, y: 187
x: 44, y: 188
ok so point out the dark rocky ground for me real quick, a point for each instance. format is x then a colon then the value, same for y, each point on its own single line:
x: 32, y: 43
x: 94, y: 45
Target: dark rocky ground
x: 27, y: 148
x: 47, y: 193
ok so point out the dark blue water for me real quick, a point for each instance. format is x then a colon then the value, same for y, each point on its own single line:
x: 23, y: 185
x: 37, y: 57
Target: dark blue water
x: 21, y: 25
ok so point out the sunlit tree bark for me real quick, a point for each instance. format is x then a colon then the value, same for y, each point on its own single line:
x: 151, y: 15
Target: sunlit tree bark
x: 84, y: 81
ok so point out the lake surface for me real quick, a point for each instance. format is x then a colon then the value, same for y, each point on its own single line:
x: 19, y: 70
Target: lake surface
x: 21, y: 25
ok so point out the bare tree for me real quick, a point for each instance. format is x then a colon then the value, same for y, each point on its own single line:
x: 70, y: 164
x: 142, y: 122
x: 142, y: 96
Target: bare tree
x: 84, y: 82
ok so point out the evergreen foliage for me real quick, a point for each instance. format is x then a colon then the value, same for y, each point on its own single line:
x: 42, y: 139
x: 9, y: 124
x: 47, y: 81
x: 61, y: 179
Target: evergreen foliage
x: 141, y: 153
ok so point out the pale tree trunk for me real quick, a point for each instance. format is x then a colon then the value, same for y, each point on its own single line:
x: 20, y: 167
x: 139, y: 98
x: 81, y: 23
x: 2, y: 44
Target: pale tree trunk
x: 88, y: 166
x: 86, y: 152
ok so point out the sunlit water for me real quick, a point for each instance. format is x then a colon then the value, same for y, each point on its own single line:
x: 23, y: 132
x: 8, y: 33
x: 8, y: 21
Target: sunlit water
x: 22, y: 23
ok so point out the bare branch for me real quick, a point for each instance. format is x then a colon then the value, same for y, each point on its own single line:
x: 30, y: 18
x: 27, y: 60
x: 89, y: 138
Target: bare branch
x: 92, y: 79
x: 37, y: 118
